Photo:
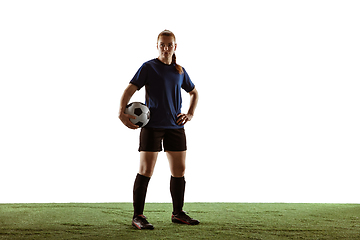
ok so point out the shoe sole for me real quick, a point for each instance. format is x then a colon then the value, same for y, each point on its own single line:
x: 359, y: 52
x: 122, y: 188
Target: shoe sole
x: 177, y: 220
x: 139, y: 228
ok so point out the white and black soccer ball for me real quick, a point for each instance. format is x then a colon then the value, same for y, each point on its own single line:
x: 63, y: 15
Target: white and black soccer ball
x: 140, y: 111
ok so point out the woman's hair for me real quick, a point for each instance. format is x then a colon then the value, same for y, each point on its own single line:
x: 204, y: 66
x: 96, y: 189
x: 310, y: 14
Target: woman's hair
x: 170, y: 34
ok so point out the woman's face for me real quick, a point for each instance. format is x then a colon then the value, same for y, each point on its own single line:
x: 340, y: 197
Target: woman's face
x: 166, y: 46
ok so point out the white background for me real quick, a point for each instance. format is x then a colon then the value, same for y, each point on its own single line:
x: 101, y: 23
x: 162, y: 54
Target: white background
x: 278, y: 116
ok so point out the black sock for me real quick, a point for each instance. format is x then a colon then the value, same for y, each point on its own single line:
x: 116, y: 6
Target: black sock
x: 139, y: 193
x: 177, y: 190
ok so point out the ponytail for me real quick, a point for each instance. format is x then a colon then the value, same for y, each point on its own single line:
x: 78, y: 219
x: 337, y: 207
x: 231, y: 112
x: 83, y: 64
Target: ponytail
x: 178, y: 68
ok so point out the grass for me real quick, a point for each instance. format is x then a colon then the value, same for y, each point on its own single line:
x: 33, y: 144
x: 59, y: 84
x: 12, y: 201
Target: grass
x: 218, y: 221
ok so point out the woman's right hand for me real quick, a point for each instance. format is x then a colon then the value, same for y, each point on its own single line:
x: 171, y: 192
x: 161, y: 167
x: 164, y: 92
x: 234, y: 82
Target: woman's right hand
x: 125, y: 118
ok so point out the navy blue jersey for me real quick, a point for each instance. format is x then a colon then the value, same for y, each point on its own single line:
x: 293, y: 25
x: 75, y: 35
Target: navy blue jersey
x: 163, y: 91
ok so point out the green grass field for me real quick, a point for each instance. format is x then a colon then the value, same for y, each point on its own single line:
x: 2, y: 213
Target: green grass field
x: 218, y: 221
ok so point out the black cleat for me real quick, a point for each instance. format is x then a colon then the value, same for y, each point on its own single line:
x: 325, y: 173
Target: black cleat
x: 184, y: 219
x: 140, y: 223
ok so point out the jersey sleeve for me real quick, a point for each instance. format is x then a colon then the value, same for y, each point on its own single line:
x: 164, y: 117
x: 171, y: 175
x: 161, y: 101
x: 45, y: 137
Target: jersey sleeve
x: 140, y: 77
x: 187, y: 84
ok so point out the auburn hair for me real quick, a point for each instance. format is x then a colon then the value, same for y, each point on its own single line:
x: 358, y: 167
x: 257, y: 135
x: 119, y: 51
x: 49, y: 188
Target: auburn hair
x: 168, y: 33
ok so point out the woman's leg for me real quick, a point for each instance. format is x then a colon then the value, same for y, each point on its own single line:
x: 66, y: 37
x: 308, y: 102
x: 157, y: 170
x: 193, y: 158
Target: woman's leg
x: 177, y: 182
x: 147, y: 165
x: 177, y: 163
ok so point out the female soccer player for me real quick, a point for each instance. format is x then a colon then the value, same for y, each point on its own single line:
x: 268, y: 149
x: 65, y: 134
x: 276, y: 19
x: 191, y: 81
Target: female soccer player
x: 163, y: 79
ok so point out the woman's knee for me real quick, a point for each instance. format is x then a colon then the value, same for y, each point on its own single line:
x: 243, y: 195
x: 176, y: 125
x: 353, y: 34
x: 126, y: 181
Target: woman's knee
x: 146, y: 170
x: 177, y: 163
x: 178, y: 172
x: 147, y: 163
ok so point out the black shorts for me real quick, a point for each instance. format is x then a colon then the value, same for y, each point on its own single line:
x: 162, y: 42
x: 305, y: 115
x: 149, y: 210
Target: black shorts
x: 173, y: 139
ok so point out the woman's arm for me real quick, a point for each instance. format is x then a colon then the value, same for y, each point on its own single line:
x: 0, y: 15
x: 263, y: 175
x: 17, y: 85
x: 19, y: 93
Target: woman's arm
x: 184, y: 118
x: 125, y: 98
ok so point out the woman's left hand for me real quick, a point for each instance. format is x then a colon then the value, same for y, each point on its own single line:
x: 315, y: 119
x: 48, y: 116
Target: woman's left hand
x: 183, y: 118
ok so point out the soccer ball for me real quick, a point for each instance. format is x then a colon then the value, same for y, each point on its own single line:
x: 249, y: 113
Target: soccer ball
x: 140, y: 111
